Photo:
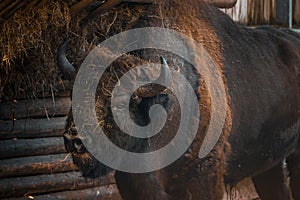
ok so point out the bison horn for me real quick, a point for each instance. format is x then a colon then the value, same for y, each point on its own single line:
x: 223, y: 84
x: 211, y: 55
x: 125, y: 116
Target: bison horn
x: 222, y: 3
x: 164, y: 77
x: 63, y: 63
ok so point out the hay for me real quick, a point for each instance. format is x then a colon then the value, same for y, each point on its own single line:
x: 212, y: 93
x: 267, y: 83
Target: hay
x: 26, y: 46
x: 30, y: 38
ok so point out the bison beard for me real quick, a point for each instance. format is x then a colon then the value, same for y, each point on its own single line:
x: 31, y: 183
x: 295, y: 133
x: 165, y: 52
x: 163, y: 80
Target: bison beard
x: 261, y: 70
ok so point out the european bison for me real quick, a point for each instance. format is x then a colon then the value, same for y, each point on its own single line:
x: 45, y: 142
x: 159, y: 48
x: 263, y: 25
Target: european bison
x: 261, y: 71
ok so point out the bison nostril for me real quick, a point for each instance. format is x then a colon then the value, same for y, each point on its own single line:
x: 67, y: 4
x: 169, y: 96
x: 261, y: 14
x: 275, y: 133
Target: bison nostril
x: 68, y: 136
x: 78, y: 146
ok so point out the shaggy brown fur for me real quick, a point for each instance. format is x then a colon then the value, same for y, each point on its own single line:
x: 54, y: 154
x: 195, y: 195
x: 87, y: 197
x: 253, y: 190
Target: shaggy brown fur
x: 261, y: 70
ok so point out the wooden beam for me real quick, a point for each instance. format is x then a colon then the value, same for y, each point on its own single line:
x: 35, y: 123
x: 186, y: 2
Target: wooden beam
x: 5, y: 3
x: 35, y: 108
x: 105, y: 7
x: 36, y: 165
x: 9, y: 6
x: 18, y: 187
x: 113, y: 3
x: 108, y: 192
x: 78, y: 7
x: 15, y: 8
x: 32, y: 128
x: 31, y: 147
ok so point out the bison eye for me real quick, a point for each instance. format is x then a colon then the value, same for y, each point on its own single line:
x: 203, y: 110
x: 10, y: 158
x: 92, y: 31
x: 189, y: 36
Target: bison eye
x: 121, y: 106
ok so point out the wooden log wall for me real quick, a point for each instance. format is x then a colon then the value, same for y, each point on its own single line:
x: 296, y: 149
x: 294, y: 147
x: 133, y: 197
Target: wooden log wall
x: 33, y: 159
x: 258, y: 12
x: 34, y: 163
x: 296, y: 12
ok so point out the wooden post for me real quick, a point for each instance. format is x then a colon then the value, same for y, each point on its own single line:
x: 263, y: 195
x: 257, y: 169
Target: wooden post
x: 296, y: 11
x: 256, y: 12
x: 282, y: 12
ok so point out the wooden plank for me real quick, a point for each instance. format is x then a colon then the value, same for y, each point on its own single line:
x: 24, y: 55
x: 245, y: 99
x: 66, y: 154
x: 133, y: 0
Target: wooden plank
x: 253, y: 12
x: 17, y: 187
x: 266, y: 11
x: 5, y: 3
x: 239, y: 12
x: 8, y: 7
x: 273, y: 11
x: 32, y: 128
x: 282, y: 12
x: 15, y: 8
x: 36, y: 165
x: 31, y: 147
x: 296, y: 11
x: 47, y: 107
x: 108, y: 192
x: 256, y: 12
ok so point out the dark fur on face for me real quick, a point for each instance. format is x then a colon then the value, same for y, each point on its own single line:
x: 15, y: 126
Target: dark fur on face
x: 139, y: 112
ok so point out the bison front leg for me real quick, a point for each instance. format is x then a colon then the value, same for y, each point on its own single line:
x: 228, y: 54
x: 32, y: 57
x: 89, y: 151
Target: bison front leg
x: 272, y: 184
x: 199, y: 179
x: 140, y: 186
x: 210, y: 181
x: 293, y: 162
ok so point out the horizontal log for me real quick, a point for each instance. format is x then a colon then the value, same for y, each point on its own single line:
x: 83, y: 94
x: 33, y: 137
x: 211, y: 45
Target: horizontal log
x: 109, y: 192
x: 31, y: 147
x: 36, y: 165
x: 17, y: 187
x: 32, y: 128
x: 35, y: 108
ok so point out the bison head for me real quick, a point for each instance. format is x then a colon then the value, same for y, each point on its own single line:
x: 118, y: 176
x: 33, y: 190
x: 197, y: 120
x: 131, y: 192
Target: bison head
x: 140, y: 102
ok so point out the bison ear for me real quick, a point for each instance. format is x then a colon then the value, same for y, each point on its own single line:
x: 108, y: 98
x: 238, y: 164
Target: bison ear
x: 222, y: 3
